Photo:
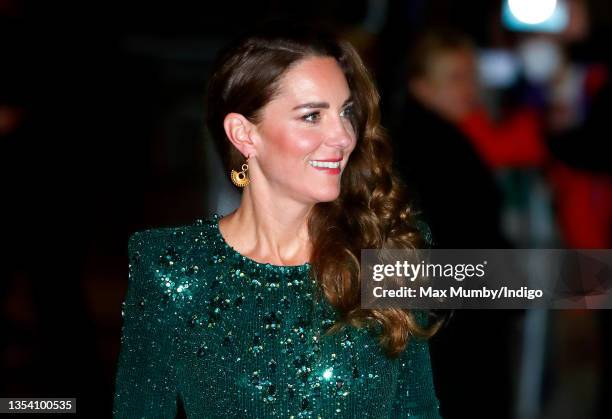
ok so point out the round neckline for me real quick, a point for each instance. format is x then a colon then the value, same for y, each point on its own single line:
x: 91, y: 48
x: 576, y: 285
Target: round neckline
x: 221, y: 240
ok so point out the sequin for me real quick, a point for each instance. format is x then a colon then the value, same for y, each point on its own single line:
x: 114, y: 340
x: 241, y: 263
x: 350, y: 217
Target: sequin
x: 232, y: 337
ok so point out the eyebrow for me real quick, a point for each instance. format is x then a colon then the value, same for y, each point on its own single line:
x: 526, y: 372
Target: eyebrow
x: 315, y: 105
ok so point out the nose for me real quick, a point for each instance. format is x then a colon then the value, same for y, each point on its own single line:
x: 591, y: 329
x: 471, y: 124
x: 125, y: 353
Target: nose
x: 340, y: 133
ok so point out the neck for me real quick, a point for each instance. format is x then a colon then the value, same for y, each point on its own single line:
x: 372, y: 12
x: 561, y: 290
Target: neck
x: 269, y: 231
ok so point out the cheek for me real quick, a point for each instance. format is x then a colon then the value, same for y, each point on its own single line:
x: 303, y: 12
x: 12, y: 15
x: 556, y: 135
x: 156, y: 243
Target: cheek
x: 286, y: 152
x: 293, y: 143
x: 439, y: 90
x: 450, y: 93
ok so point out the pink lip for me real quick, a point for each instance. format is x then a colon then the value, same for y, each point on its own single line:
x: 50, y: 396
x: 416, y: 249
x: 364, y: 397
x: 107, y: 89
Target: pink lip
x: 334, y: 171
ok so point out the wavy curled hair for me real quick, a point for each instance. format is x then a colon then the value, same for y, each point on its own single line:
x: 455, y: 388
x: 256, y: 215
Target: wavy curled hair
x: 372, y: 210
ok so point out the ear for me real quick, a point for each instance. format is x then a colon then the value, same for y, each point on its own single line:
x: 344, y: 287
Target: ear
x: 240, y: 131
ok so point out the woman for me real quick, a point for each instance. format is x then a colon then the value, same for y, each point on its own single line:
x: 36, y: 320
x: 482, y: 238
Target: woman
x: 257, y: 314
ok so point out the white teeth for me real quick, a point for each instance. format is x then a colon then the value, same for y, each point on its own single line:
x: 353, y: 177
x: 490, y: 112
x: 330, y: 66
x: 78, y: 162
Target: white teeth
x: 329, y: 164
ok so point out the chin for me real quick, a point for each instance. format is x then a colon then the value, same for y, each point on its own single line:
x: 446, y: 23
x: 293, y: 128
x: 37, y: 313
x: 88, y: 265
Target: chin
x: 327, y: 196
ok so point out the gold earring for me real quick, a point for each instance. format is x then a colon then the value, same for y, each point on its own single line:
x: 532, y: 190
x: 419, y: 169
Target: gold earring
x: 240, y: 179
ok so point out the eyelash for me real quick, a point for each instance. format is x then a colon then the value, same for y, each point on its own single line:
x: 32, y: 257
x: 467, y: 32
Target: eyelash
x: 350, y: 111
x: 305, y: 117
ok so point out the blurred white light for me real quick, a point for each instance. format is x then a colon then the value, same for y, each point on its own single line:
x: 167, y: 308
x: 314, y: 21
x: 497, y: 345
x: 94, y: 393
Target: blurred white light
x: 497, y: 68
x: 532, y: 11
x: 541, y: 59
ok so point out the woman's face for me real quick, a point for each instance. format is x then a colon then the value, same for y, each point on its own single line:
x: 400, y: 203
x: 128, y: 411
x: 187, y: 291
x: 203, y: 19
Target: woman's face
x: 305, y: 127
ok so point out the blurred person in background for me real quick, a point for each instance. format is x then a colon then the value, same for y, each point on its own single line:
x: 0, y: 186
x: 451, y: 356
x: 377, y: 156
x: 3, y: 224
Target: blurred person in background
x: 443, y: 105
x: 451, y: 177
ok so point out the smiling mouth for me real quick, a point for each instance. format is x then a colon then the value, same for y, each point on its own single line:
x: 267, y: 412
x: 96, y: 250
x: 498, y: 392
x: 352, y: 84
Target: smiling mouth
x: 325, y: 164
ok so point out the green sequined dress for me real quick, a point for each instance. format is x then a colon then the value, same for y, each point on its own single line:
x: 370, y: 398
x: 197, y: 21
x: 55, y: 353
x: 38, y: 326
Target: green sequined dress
x: 226, y: 336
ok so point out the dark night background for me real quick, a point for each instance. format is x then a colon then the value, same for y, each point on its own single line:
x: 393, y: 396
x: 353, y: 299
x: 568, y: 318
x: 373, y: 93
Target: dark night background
x: 104, y: 103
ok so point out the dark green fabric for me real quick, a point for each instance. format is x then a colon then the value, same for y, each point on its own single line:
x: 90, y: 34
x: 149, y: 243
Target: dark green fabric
x: 226, y: 336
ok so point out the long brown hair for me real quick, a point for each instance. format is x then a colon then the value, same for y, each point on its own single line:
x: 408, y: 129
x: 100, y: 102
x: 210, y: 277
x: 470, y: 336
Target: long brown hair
x: 372, y: 209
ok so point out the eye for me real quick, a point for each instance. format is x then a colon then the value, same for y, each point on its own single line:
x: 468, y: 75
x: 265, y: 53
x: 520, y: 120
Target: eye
x: 347, y: 112
x: 312, y: 117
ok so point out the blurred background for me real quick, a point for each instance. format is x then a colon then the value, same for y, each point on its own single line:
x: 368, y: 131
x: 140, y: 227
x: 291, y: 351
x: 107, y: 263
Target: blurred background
x: 497, y: 110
